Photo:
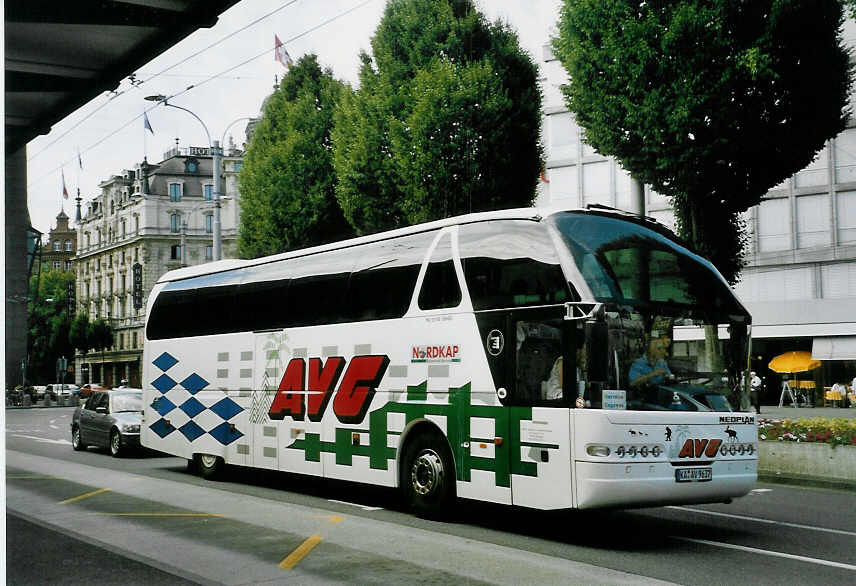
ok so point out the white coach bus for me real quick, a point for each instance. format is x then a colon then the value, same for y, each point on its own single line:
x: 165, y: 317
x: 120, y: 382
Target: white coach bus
x: 540, y: 358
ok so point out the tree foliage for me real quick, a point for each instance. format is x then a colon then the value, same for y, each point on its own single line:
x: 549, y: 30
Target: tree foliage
x: 80, y: 333
x: 49, y: 322
x: 446, y: 119
x: 287, y: 181
x: 712, y: 102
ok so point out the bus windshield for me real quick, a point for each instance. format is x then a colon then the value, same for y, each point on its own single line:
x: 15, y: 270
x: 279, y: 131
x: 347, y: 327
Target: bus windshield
x: 677, y: 336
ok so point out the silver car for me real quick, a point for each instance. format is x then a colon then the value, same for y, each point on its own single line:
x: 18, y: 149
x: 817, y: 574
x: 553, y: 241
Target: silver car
x: 110, y: 419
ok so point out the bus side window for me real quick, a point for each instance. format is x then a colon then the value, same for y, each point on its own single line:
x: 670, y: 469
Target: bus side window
x: 384, y: 277
x: 440, y: 288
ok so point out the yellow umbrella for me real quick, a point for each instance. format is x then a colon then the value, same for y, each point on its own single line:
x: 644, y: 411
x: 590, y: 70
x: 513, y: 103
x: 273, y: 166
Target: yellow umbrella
x: 794, y: 361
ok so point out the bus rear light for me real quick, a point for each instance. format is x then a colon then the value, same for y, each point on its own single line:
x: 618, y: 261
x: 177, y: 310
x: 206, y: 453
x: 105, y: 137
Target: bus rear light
x: 497, y: 441
x: 598, y: 451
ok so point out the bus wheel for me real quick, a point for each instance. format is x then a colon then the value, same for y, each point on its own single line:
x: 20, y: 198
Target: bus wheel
x: 210, y: 467
x: 428, y: 476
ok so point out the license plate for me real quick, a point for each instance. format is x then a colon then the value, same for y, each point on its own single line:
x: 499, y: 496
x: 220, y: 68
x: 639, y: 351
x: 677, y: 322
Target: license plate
x: 693, y: 474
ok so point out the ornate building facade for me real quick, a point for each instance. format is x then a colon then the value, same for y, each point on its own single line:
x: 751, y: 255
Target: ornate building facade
x: 61, y: 247
x: 162, y: 217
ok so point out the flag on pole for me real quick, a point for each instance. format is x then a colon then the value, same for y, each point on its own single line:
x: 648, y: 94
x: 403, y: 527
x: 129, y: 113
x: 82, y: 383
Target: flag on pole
x: 280, y: 54
x: 64, y: 189
x: 79, y: 160
x: 146, y: 124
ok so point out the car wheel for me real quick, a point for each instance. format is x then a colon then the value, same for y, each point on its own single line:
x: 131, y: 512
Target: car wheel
x: 76, y: 442
x: 210, y: 466
x: 428, y: 475
x: 115, y: 443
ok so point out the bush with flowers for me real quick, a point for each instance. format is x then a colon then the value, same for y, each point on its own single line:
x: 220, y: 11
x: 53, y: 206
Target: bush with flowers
x: 836, y: 432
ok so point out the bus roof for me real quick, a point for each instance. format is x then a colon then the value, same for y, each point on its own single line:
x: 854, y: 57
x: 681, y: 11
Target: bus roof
x: 533, y: 213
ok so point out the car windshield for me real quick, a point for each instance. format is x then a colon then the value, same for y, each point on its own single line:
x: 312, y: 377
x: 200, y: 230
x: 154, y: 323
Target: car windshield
x: 127, y: 402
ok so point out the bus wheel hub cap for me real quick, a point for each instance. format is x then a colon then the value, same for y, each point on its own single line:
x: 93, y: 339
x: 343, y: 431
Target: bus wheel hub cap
x: 426, y: 473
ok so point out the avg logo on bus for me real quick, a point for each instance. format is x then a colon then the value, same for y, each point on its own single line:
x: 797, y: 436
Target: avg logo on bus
x: 696, y: 448
x: 315, y: 384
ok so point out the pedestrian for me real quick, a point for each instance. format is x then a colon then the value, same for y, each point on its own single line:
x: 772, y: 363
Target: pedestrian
x: 755, y: 393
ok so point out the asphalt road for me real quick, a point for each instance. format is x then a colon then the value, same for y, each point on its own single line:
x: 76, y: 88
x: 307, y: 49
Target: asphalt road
x: 258, y: 526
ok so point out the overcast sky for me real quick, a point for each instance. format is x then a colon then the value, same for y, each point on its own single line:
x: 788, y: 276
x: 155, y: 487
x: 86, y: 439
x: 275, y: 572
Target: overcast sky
x: 109, y: 131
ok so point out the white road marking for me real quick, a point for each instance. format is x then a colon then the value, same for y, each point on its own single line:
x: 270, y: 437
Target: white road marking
x: 768, y: 521
x: 363, y: 507
x: 42, y: 439
x: 779, y: 554
x: 761, y: 490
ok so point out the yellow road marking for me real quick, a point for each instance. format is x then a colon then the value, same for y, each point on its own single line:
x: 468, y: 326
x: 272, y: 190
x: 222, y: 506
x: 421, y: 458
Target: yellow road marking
x: 331, y: 518
x: 298, y: 554
x: 84, y: 496
x: 163, y: 514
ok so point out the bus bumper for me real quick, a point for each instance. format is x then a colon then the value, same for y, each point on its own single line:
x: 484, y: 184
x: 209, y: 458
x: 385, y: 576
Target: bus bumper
x: 654, y: 483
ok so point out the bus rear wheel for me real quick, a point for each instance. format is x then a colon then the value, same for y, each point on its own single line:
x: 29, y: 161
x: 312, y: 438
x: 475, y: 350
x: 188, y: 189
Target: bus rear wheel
x: 428, y: 476
x: 209, y: 466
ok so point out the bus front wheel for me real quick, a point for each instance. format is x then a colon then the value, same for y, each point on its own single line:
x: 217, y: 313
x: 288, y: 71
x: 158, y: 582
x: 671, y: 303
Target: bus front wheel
x: 428, y: 476
x: 209, y: 466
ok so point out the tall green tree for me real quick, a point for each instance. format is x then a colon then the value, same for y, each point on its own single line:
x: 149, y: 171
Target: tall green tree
x: 287, y: 182
x: 80, y: 333
x: 49, y: 322
x: 101, y: 337
x: 712, y: 102
x: 446, y: 119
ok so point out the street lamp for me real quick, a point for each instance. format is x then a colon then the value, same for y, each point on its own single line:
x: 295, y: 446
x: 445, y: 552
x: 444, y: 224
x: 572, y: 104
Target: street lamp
x: 214, y: 148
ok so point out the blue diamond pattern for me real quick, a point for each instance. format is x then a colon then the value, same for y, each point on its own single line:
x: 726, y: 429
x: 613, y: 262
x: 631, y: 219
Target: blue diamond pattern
x: 165, y: 361
x: 226, y: 408
x: 191, y: 431
x: 163, y: 383
x: 194, y: 383
x: 192, y: 407
x: 162, y: 427
x: 224, y: 434
x: 163, y: 405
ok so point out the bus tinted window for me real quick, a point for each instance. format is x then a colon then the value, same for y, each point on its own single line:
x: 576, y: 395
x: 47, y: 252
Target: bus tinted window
x: 440, y: 288
x: 262, y: 305
x: 318, y: 286
x: 173, y: 314
x: 215, y: 310
x: 511, y: 264
x: 385, y: 275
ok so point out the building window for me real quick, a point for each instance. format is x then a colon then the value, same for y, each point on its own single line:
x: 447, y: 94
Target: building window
x: 174, y: 223
x: 175, y: 252
x: 68, y: 245
x: 57, y: 246
x: 123, y: 228
x: 68, y: 265
x: 134, y: 340
x: 209, y: 223
x: 209, y: 252
x: 121, y: 341
x: 238, y: 167
x: 208, y: 192
x: 57, y: 265
x: 136, y: 224
x: 174, y: 192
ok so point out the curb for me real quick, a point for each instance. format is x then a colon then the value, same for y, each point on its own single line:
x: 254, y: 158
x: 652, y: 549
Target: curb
x: 801, y: 480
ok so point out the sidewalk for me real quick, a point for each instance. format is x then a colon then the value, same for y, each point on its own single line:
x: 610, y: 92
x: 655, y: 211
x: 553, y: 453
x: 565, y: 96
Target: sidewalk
x: 788, y: 412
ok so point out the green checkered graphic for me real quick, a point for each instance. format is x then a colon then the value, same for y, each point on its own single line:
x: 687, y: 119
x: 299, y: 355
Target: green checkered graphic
x: 457, y: 412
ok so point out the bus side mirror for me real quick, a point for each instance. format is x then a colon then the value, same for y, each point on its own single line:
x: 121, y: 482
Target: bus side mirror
x: 597, y: 351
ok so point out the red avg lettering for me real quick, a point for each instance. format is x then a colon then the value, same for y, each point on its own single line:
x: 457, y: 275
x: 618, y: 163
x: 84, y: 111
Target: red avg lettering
x: 696, y: 448
x: 355, y: 394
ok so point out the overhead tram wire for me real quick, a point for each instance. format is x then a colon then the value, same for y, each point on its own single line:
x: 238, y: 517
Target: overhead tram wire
x: 173, y: 66
x: 184, y: 91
